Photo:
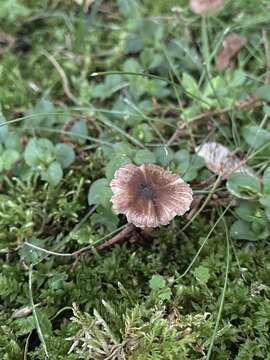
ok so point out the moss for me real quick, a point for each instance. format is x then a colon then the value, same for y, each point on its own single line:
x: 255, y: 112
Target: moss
x: 107, y: 305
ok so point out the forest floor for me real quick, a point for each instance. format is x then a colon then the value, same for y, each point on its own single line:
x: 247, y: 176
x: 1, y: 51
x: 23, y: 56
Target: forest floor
x: 87, y: 88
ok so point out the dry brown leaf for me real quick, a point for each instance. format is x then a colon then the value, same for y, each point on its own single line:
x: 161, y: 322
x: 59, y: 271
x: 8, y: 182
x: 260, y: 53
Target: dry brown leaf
x: 231, y: 45
x: 210, y: 7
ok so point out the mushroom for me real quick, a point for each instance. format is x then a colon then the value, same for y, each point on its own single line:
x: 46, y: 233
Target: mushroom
x: 210, y: 7
x: 231, y: 45
x: 149, y: 195
x: 220, y: 160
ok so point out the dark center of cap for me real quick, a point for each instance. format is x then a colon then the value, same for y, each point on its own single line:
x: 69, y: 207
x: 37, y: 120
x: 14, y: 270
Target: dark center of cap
x: 147, y: 191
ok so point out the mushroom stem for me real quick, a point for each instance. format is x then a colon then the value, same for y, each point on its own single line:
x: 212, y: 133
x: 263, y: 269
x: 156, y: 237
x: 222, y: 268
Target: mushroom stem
x: 114, y: 240
x: 117, y: 238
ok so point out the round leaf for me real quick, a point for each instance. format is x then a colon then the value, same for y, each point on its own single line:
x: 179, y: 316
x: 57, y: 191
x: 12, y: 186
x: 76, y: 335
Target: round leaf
x: 182, y: 157
x: 255, y: 136
x: 39, y: 151
x: 9, y: 157
x: 164, y: 155
x: 266, y: 181
x: 65, y: 155
x: 53, y: 174
x: 265, y: 201
x: 144, y: 157
x: 202, y: 274
x: 241, y: 230
x: 3, y: 128
x: 247, y: 210
x: 115, y: 164
x: 157, y: 282
x: 79, y: 132
x: 244, y: 186
x: 13, y: 141
x: 99, y: 193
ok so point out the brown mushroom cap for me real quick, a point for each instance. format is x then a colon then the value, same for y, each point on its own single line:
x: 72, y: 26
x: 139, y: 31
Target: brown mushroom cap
x: 210, y: 7
x: 149, y: 195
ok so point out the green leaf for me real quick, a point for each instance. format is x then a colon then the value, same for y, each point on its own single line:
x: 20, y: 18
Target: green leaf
x: 190, y: 174
x: 261, y: 228
x: 202, y: 274
x: 267, y: 212
x: 111, y: 84
x: 165, y: 294
x: 188, y: 165
x: 83, y: 235
x: 248, y: 210
x: 255, y: 136
x: 143, y: 132
x: 44, y: 323
x: 65, y: 155
x: 13, y: 9
x: 99, y: 193
x: 241, y: 230
x: 263, y: 92
x: 182, y: 157
x: 133, y: 44
x: 3, y: 128
x: 13, y: 141
x: 238, y: 78
x: 24, y: 325
x: 122, y: 148
x: 190, y: 85
x: 106, y: 217
x: 29, y: 254
x: 38, y: 152
x: 266, y: 181
x: 266, y: 110
x: 53, y: 174
x: 244, y: 186
x: 157, y: 282
x: 57, y: 280
x: 144, y: 157
x: 9, y: 158
x: 42, y: 114
x: 114, y: 164
x: 265, y: 201
x: 80, y: 129
x: 197, y: 162
x: 164, y: 155
x: 128, y: 8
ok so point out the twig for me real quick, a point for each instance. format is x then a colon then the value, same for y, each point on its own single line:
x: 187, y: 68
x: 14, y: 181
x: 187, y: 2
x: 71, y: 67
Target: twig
x: 64, y: 78
x: 179, y: 128
x: 250, y: 102
x: 26, y: 346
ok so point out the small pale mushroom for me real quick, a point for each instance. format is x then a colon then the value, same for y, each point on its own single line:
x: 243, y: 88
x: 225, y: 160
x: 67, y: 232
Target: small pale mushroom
x: 231, y: 45
x: 220, y: 160
x: 209, y: 7
x: 149, y: 195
